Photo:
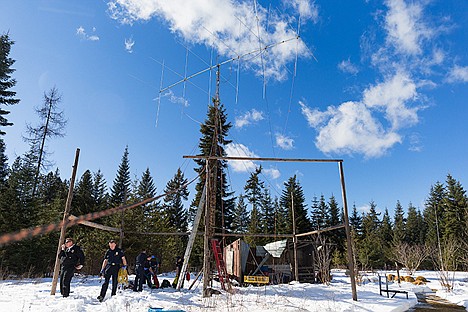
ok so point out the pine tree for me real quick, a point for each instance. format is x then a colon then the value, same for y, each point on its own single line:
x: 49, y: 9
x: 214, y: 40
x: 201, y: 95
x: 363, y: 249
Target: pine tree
x: 241, y: 219
x: 413, y: 227
x: 370, y: 247
x: 323, y: 213
x: 292, y: 197
x: 100, y: 196
x: 386, y: 229
x: 83, y: 201
x: 282, y: 225
x: 121, y: 188
x: 398, y: 225
x: 456, y: 207
x: 433, y: 212
x: 175, y: 212
x: 334, y: 212
x: 267, y: 209
x: 18, y: 210
x: 225, y: 201
x: 7, y: 97
x: 336, y: 237
x: 152, y: 214
x: 371, y: 222
x: 315, y: 214
x: 3, y: 164
x: 121, y: 192
x: 355, y: 221
x: 254, y: 227
x: 254, y: 189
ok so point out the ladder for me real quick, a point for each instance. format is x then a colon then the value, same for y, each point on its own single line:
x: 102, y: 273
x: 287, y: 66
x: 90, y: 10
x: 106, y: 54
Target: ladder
x: 222, y: 273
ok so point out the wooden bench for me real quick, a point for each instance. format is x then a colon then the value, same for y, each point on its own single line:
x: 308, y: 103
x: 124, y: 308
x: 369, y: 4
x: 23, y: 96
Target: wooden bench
x: 394, y: 292
x: 388, y: 291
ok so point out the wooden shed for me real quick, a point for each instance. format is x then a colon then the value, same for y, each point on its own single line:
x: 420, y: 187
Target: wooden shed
x: 275, y: 260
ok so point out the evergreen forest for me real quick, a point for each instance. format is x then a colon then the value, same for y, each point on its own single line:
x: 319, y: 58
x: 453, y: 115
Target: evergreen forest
x: 32, y: 193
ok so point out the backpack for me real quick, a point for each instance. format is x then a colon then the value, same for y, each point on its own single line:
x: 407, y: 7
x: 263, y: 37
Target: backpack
x: 165, y: 283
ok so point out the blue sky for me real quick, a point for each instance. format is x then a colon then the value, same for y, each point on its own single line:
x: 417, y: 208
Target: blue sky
x: 379, y: 84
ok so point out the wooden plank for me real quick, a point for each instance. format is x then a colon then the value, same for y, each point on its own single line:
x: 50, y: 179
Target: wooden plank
x: 95, y: 225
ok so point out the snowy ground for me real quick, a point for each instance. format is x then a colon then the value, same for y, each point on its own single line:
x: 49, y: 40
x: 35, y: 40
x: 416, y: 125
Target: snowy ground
x: 34, y: 295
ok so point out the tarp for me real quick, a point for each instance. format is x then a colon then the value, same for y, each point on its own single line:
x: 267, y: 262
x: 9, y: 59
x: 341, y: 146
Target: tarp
x: 277, y: 248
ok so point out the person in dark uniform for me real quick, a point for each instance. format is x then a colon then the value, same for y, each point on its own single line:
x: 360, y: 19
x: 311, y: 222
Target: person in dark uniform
x: 141, y: 259
x: 179, y: 262
x: 155, y: 264
x: 71, y: 259
x: 113, y: 260
x: 148, y: 271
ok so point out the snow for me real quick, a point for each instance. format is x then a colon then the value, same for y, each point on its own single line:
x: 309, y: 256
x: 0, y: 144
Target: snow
x: 34, y: 295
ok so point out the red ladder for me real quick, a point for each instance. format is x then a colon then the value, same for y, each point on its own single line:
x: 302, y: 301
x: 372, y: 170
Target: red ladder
x: 222, y: 273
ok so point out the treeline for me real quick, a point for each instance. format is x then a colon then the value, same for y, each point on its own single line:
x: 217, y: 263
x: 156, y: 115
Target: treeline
x: 33, y: 195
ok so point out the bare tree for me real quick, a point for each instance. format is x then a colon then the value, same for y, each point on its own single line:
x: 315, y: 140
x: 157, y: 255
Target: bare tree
x: 411, y: 256
x: 446, y: 262
x: 323, y: 260
x: 52, y: 124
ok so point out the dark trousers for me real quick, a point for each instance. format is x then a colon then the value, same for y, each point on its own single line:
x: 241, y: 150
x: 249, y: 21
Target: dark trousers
x: 66, y: 274
x: 112, y: 271
x: 148, y: 277
x: 140, y: 278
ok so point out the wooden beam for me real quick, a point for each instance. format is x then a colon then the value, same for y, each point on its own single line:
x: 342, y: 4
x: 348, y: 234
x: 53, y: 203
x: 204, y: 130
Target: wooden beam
x: 263, y: 159
x: 95, y: 225
x: 331, y: 228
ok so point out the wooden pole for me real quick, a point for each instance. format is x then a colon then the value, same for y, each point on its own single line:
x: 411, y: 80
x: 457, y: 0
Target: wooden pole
x: 348, y: 233
x: 296, y: 268
x: 206, y: 247
x: 191, y: 241
x: 64, y: 223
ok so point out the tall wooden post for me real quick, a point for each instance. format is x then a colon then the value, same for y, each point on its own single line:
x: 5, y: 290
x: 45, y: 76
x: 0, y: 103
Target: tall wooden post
x: 348, y: 233
x: 296, y: 266
x: 64, y: 223
x: 211, y: 182
x: 207, y: 237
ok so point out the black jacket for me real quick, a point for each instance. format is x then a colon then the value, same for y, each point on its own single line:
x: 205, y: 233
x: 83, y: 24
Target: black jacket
x: 141, y: 259
x: 72, y: 257
x: 114, y: 257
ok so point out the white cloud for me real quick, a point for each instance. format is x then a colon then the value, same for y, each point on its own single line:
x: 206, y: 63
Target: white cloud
x: 352, y: 129
x: 240, y: 150
x: 284, y: 142
x: 405, y: 27
x: 347, y: 67
x: 248, y: 118
x: 176, y: 99
x: 458, y: 74
x: 313, y: 116
x: 355, y: 127
x: 391, y: 96
x: 81, y: 32
x: 232, y: 27
x: 129, y: 43
x: 415, y: 143
x: 306, y: 9
x: 273, y: 173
